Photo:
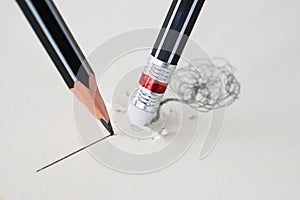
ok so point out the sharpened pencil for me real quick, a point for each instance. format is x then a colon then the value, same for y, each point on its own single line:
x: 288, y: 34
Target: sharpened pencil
x: 65, y: 53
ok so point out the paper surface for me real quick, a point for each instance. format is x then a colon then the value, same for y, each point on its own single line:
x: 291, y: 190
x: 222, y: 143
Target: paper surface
x: 257, y: 156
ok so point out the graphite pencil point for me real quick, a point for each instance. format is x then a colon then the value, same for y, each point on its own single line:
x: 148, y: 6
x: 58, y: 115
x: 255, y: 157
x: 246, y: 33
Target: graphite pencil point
x: 108, y: 126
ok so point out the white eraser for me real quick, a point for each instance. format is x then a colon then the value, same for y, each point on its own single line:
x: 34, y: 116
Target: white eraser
x: 138, y: 116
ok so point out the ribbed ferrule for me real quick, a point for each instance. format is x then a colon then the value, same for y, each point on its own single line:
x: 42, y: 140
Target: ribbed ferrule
x: 150, y: 93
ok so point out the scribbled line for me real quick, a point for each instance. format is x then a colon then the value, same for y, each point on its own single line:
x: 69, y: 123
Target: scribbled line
x: 204, y: 85
x: 73, y: 153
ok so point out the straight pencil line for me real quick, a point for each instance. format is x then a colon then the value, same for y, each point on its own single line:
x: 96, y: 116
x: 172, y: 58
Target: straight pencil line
x: 73, y: 153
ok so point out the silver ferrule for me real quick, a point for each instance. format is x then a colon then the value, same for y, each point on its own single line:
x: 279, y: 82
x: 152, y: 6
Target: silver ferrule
x: 159, y: 71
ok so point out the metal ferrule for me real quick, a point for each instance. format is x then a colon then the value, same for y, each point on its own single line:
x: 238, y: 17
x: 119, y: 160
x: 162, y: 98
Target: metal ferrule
x: 146, y: 100
x: 157, y: 70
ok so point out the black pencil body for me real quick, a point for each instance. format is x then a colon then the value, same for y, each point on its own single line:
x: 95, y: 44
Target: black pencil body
x: 176, y: 29
x: 57, y: 40
x: 61, y: 46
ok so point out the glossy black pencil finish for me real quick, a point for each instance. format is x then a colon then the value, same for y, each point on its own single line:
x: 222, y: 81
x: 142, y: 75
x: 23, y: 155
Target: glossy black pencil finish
x: 176, y: 29
x: 57, y: 40
x: 64, y: 51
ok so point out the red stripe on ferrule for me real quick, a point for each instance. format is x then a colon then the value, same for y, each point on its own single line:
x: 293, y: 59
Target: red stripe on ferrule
x: 153, y: 85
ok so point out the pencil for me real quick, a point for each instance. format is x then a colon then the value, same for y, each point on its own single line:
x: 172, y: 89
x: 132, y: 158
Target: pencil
x: 176, y: 29
x: 65, y: 53
x: 165, y: 55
